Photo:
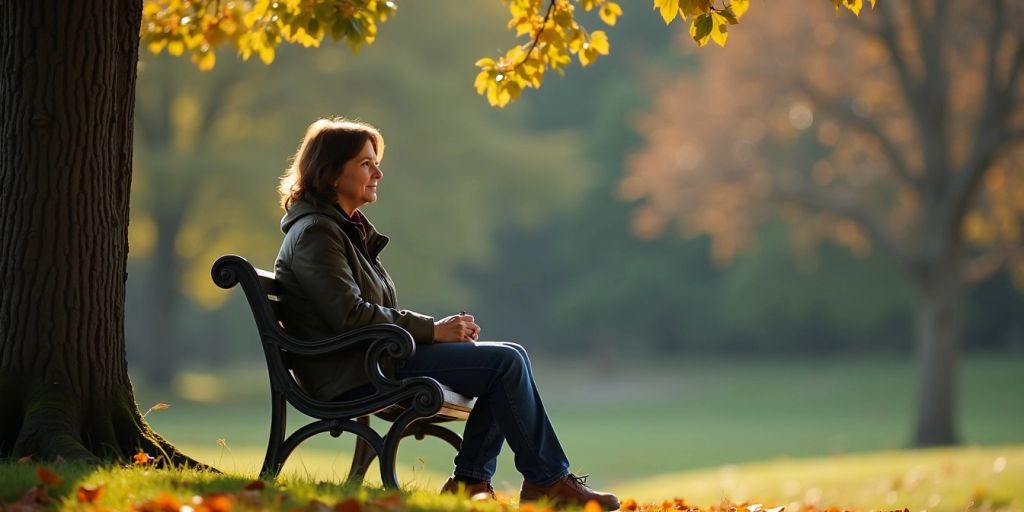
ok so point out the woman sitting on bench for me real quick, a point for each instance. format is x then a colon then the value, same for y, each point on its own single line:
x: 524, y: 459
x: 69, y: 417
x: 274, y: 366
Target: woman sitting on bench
x: 329, y: 269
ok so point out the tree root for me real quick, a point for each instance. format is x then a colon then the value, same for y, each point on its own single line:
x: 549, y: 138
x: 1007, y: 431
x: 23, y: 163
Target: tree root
x: 50, y: 425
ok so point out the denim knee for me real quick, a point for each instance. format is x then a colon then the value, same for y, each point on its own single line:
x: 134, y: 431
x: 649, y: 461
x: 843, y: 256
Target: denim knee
x: 511, y: 357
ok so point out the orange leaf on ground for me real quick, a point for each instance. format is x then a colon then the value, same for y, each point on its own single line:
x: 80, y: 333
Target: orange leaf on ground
x: 317, y: 506
x: 387, y: 501
x: 255, y: 485
x: 629, y: 504
x: 214, y: 502
x: 142, y: 458
x: 89, y: 493
x: 163, y: 503
x: 349, y: 505
x: 35, y: 498
x: 46, y: 476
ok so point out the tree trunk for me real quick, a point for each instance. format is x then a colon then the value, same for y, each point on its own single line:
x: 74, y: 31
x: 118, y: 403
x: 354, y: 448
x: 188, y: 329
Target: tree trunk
x: 937, y: 331
x: 67, y: 92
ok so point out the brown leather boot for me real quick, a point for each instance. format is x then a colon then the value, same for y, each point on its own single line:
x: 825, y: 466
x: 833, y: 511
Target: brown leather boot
x: 477, y: 492
x: 570, y: 490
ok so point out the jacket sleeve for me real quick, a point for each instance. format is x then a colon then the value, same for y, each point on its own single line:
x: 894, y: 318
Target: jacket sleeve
x: 322, y: 269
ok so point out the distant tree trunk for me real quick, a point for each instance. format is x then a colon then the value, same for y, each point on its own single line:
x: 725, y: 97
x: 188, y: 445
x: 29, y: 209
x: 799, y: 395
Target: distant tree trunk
x: 937, y: 322
x: 162, y: 358
x: 67, y: 92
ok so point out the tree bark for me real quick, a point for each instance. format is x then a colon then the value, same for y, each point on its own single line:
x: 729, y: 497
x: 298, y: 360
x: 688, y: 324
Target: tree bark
x: 67, y: 92
x: 937, y: 325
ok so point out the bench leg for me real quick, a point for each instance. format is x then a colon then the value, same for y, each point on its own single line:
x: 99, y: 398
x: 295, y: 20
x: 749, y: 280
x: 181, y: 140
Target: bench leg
x: 394, y: 436
x: 278, y: 418
x: 361, y: 458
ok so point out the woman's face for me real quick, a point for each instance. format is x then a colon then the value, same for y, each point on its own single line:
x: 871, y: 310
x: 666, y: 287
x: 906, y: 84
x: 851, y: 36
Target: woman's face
x: 357, y: 183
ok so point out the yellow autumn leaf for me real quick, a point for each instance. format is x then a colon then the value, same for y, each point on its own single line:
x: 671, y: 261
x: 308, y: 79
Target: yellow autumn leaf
x: 610, y: 13
x: 700, y: 29
x: 481, y: 82
x: 267, y: 54
x: 694, y: 7
x: 587, y: 56
x: 304, y: 38
x: 740, y: 7
x: 599, y: 42
x: 669, y: 9
x: 719, y: 28
x: 205, y: 60
x: 176, y: 48
x: 156, y: 46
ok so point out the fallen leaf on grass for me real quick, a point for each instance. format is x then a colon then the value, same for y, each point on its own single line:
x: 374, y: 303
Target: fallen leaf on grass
x: 89, y: 493
x: 348, y: 505
x: 317, y: 506
x: 627, y: 504
x: 142, y: 458
x: 214, y: 502
x: 46, y: 476
x: 163, y: 503
x: 388, y: 501
x: 35, y: 499
x: 25, y: 460
x: 255, y: 485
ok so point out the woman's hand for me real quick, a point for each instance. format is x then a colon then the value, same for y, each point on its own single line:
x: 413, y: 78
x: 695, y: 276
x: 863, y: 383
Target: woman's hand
x: 456, y: 328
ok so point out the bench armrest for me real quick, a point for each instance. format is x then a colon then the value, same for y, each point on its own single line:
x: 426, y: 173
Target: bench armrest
x: 397, y: 342
x: 381, y: 341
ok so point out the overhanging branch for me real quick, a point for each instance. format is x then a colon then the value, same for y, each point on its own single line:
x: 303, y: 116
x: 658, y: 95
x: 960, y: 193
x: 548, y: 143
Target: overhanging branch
x: 815, y: 199
x: 868, y: 126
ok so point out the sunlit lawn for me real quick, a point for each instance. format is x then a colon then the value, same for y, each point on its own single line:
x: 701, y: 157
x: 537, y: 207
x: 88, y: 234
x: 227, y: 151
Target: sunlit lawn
x: 640, y: 419
x: 978, y: 479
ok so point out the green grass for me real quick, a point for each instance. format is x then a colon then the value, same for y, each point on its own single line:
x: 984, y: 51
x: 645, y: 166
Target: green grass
x: 990, y: 478
x: 128, y: 488
x: 641, y: 418
x: 934, y: 480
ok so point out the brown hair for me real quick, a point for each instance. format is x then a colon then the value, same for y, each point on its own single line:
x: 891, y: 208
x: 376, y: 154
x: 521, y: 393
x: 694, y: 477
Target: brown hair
x: 328, y: 144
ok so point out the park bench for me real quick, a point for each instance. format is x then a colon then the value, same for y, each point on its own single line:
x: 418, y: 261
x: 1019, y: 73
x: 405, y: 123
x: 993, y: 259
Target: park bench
x: 414, y: 406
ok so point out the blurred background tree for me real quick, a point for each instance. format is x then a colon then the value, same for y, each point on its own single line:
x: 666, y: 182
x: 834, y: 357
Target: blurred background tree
x: 900, y: 131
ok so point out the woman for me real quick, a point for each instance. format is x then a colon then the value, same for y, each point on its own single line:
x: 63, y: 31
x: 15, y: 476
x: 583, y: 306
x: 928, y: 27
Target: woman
x: 333, y: 282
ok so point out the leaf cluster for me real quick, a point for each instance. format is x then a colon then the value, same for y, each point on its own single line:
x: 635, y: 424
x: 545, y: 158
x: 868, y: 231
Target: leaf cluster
x: 257, y: 27
x: 553, y: 32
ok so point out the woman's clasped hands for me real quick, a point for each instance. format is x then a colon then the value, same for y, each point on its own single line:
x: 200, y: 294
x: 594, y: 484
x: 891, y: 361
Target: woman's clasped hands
x: 456, y: 329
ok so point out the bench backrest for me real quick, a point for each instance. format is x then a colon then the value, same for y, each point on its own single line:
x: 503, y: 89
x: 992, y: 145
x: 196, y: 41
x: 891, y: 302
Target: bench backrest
x: 261, y: 290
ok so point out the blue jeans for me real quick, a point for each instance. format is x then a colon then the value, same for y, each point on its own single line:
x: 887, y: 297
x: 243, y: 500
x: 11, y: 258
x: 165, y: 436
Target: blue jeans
x: 508, y: 407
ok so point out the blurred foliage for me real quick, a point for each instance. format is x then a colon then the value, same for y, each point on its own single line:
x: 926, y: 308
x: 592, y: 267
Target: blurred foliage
x: 553, y: 33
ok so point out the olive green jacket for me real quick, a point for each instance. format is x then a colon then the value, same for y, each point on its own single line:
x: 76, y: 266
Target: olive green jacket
x: 332, y: 282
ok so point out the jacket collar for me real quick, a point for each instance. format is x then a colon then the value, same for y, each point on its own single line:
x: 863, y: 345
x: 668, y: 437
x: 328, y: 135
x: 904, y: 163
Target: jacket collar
x: 375, y: 242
